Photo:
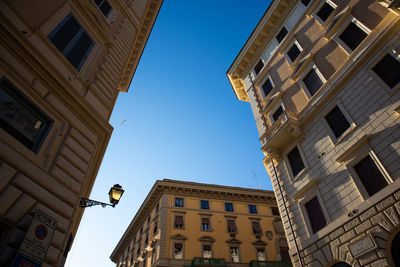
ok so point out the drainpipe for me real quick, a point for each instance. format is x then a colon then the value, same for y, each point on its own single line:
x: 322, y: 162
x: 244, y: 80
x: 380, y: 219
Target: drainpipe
x: 277, y: 178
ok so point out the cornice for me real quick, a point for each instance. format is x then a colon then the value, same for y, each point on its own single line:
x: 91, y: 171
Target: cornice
x: 137, y: 48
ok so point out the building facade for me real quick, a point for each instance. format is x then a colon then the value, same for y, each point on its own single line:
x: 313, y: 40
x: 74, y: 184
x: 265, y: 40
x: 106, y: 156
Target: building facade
x: 193, y: 224
x: 63, y: 64
x: 323, y: 81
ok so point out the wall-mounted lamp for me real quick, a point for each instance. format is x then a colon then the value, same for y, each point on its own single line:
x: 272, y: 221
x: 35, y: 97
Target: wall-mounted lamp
x: 115, y: 194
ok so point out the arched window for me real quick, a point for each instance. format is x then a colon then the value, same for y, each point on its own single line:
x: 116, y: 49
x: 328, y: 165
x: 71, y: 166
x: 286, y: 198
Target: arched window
x: 341, y: 264
x: 396, y: 249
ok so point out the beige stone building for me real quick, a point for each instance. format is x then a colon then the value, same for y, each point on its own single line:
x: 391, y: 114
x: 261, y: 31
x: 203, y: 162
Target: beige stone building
x: 63, y: 64
x: 192, y: 224
x: 323, y: 81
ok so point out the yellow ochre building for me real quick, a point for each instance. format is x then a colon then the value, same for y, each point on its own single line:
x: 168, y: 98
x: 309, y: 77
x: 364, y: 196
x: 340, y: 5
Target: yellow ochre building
x: 193, y: 224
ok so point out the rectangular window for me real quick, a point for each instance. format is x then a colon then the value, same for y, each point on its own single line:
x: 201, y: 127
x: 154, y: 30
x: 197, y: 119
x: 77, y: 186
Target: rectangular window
x: 305, y: 2
x: 337, y: 121
x: 388, y: 69
x: 325, y: 11
x: 146, y: 241
x: 104, y: 6
x: 370, y: 175
x: 267, y: 87
x: 261, y: 254
x: 231, y: 226
x: 294, y: 52
x: 229, y: 207
x: 295, y: 161
x: 72, y: 41
x: 178, y: 251
x: 205, y: 224
x: 204, y: 205
x: 155, y: 228
x: 313, y: 82
x: 277, y: 113
x: 178, y: 202
x: 315, y: 215
x: 207, y: 251
x: 234, y: 251
x: 178, y: 221
x: 157, y: 207
x: 21, y: 118
x: 256, y: 228
x: 275, y: 211
x: 282, y: 34
x: 353, y: 35
x: 258, y: 67
x: 253, y: 209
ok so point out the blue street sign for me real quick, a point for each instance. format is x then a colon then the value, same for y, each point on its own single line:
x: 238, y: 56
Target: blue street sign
x: 23, y: 261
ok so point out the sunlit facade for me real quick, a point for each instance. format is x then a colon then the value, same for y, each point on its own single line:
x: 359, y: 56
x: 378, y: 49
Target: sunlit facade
x: 192, y: 224
x: 63, y: 64
x: 323, y: 81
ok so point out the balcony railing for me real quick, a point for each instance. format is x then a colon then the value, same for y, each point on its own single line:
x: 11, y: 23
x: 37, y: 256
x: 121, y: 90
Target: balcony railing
x: 284, y: 129
x: 207, y: 262
x: 270, y: 264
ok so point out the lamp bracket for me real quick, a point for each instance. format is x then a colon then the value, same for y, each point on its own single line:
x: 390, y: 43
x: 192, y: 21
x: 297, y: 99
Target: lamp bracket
x: 85, y: 202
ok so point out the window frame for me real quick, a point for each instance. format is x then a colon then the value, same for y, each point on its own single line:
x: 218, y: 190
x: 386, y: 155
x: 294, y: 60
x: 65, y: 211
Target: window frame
x: 231, y: 206
x: 182, y: 251
x: 205, y: 216
x: 253, y: 230
x: 251, y: 210
x: 304, y: 212
x: 343, y: 27
x: 102, y: 2
x: 234, y: 222
x: 265, y: 253
x: 391, y: 51
x: 328, y: 19
x: 211, y: 250
x: 254, y: 68
x: 275, y: 109
x: 272, y: 212
x: 261, y: 89
x: 288, y: 165
x: 294, y: 42
x: 179, y: 199
x: 337, y: 140
x: 206, y: 204
x: 238, y: 254
x: 183, y: 221
x: 306, y: 71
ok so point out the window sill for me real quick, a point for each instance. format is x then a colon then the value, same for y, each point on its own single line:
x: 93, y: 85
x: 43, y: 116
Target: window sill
x: 344, y: 135
x: 299, y: 175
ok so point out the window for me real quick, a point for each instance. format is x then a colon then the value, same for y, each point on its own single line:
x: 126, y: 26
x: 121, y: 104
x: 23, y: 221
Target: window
x: 277, y: 113
x: 72, y: 41
x: 267, y: 86
x: 315, y: 215
x: 337, y: 121
x: 144, y: 262
x: 178, y: 251
x: 353, y: 35
x: 253, y: 209
x: 155, y: 228
x: 179, y: 221
x: 256, y: 228
x: 370, y: 176
x: 234, y: 251
x: 229, y: 207
x: 294, y: 52
x: 325, y: 11
x: 148, y: 220
x: 146, y: 241
x: 204, y: 205
x: 261, y: 254
x: 231, y: 226
x: 295, y: 161
x: 205, y: 224
x: 283, y: 250
x: 282, y: 34
x: 305, y: 2
x: 258, y: 67
x: 157, y: 207
x: 207, y: 251
x: 275, y: 211
x: 313, y: 81
x: 388, y: 69
x: 178, y: 202
x: 141, y: 230
x: 21, y: 118
x: 104, y: 6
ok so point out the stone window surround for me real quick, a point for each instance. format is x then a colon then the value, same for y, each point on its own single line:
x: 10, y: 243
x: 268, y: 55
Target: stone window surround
x: 332, y: 136
x: 177, y: 213
x: 256, y: 247
x: 206, y: 215
x: 261, y: 90
x: 183, y: 248
x: 303, y: 211
x: 231, y: 218
x: 292, y: 178
x: 207, y: 244
x: 239, y: 252
x: 274, y: 109
x: 345, y: 22
x: 305, y: 72
x: 358, y: 152
x: 327, y: 21
x: 288, y: 47
x: 393, y: 51
x: 209, y: 204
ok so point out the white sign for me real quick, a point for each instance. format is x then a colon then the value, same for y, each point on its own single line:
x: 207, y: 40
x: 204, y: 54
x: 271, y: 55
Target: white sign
x: 38, y: 236
x: 362, y: 246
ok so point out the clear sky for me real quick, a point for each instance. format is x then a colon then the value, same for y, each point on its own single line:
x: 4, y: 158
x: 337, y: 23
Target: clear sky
x: 182, y: 119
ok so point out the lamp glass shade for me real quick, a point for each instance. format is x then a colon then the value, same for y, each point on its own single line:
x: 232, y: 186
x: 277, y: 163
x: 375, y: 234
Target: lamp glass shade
x: 115, y: 193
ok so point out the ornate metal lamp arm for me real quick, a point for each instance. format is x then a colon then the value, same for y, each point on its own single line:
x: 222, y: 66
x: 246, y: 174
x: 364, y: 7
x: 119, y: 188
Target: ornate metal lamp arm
x: 85, y: 202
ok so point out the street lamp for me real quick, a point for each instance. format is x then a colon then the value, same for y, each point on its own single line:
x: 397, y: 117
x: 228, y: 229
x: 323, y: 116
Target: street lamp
x: 115, y: 194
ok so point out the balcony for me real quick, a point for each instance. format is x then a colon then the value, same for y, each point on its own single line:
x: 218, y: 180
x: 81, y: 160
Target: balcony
x: 270, y: 264
x: 283, y: 131
x: 207, y: 262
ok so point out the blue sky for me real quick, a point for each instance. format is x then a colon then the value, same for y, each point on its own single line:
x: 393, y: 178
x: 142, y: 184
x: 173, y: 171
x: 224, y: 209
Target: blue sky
x: 182, y: 119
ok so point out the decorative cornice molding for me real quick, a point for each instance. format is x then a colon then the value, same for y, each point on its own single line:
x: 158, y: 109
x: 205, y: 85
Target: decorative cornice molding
x: 178, y: 237
x: 206, y: 239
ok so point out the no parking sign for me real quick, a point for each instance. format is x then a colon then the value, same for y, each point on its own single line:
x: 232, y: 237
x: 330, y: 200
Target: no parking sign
x: 38, y: 236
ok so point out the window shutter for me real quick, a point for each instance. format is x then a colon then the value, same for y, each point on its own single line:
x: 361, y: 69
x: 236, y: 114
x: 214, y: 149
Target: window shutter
x: 205, y: 220
x: 178, y: 219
